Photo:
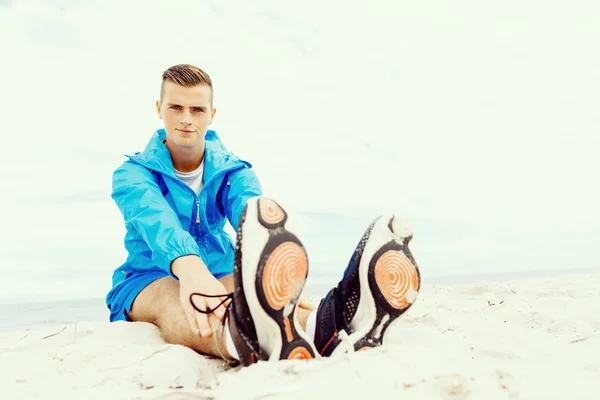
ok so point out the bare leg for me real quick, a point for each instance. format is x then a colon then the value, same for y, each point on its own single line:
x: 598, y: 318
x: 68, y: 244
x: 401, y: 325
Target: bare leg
x: 303, y: 316
x: 159, y: 304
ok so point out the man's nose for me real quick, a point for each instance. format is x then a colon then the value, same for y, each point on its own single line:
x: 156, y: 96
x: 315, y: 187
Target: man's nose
x: 186, y: 118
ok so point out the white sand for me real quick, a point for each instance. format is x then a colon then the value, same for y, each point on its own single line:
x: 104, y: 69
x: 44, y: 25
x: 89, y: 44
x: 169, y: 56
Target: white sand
x: 529, y: 339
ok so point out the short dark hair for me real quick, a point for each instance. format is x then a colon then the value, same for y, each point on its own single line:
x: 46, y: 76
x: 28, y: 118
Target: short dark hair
x: 186, y: 75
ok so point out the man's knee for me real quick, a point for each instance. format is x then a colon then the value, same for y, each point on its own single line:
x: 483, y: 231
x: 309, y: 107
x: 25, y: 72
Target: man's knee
x: 227, y: 282
x: 154, y: 299
x: 159, y: 304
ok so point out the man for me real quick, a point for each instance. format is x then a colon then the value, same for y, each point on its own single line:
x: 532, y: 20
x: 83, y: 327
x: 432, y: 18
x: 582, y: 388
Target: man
x: 242, y: 303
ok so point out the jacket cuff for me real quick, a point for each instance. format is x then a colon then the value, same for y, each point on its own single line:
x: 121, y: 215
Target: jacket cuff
x: 168, y: 258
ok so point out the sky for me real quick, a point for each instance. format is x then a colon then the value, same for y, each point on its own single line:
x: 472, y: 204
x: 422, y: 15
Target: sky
x: 476, y: 123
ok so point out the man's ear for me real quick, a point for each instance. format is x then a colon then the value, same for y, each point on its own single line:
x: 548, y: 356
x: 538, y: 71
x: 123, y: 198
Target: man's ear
x: 212, y: 117
x: 158, y: 109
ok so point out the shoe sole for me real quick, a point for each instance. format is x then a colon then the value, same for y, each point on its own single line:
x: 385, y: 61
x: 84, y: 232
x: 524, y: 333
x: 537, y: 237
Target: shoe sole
x: 275, y: 268
x: 389, y: 281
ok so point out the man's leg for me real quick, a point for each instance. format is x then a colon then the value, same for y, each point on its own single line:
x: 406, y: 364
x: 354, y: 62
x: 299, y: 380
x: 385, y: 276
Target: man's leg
x: 303, y: 316
x: 260, y: 323
x: 158, y: 304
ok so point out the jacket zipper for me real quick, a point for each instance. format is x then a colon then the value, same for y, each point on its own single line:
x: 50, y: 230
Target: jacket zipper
x: 187, y: 187
x: 197, y: 210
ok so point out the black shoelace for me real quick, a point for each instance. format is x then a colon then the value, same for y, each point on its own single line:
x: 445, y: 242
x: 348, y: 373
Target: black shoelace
x: 228, y: 296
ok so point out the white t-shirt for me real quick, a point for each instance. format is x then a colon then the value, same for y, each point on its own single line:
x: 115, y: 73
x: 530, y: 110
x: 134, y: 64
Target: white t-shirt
x: 193, y: 179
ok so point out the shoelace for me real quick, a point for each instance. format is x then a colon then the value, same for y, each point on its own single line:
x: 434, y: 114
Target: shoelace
x: 228, y: 296
x: 345, y: 340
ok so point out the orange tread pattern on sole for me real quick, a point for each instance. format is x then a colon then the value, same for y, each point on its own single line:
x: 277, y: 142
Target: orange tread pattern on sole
x: 284, y: 273
x: 300, y: 353
x: 396, y: 276
x: 270, y: 212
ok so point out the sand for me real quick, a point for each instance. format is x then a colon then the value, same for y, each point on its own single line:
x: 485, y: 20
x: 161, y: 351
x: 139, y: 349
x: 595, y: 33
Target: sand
x: 521, y: 339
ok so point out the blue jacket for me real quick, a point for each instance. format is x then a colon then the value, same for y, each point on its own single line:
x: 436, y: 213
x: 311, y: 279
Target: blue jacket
x: 161, y: 212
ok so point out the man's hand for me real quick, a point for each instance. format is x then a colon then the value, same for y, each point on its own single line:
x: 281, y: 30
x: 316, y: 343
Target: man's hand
x: 194, y: 277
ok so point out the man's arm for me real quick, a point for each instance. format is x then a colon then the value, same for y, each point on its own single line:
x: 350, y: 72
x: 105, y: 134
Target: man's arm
x: 243, y: 184
x: 143, y: 206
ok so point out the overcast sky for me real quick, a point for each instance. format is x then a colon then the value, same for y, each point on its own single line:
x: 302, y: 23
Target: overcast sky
x: 481, y: 115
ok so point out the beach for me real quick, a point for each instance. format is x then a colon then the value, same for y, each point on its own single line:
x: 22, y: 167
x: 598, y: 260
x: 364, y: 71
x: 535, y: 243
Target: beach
x: 475, y: 122
x: 528, y: 338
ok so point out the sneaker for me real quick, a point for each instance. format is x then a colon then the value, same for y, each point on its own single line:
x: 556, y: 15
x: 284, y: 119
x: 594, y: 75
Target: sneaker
x: 381, y: 282
x: 271, y: 267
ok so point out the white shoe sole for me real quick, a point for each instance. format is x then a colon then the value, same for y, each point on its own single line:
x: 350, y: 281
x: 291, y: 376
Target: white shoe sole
x: 389, y: 282
x: 274, y: 271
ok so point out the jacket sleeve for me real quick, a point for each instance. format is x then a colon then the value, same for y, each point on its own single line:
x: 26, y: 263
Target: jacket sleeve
x: 144, y: 208
x: 243, y: 184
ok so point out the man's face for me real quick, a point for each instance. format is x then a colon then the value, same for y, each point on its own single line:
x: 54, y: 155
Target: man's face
x: 186, y: 112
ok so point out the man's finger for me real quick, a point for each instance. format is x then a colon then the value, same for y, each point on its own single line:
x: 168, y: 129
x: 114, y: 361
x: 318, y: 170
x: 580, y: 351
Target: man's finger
x: 203, y: 325
x: 191, y: 318
x: 218, y: 311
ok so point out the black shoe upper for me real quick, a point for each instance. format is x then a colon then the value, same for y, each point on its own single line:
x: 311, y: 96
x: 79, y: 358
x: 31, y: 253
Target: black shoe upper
x: 337, y: 309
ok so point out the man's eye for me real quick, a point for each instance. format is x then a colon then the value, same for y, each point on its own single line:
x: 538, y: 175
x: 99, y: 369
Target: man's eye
x: 197, y: 110
x: 175, y: 107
